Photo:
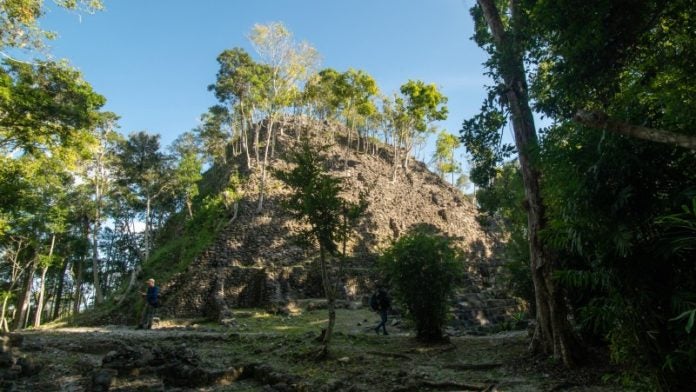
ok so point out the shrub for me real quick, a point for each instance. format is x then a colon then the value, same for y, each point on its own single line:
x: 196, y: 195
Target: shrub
x: 423, y: 268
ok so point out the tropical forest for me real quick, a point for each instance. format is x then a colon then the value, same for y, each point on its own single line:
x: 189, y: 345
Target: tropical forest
x: 451, y: 195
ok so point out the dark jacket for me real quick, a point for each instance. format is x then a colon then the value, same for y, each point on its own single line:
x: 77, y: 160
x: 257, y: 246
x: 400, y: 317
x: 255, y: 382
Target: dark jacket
x: 152, y: 295
x: 383, y: 300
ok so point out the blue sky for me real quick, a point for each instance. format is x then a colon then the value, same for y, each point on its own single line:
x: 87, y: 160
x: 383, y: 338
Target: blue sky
x: 153, y: 59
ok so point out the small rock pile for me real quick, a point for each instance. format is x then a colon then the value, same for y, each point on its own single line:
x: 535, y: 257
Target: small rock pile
x: 175, y: 367
x: 179, y: 367
x: 13, y: 366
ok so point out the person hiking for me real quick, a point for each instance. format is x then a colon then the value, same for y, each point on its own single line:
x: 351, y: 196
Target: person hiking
x: 151, y: 303
x: 383, y: 304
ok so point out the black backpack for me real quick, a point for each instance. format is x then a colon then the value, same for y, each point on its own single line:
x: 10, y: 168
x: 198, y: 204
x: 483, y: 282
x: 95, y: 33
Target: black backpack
x: 374, y: 302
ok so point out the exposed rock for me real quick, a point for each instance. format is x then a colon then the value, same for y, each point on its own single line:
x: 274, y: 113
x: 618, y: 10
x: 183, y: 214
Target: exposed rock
x: 176, y: 367
x: 256, y: 260
x: 101, y: 380
x: 28, y: 367
x: 6, y: 360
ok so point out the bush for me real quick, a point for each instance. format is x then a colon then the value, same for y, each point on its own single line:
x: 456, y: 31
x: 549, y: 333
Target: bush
x: 423, y: 268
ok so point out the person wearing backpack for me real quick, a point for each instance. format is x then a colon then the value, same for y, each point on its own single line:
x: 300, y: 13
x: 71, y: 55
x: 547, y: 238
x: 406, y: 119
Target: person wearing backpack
x: 381, y: 302
x: 151, y: 303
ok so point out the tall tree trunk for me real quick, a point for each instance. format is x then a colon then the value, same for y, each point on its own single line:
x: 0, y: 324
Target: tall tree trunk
x: 330, y: 299
x: 245, y: 134
x: 42, y: 287
x: 395, y: 166
x: 98, y: 297
x: 407, y: 156
x: 262, y: 186
x: 257, y: 131
x: 142, y: 255
x: 553, y: 333
x: 78, y: 287
x: 3, y: 322
x: 59, y: 291
x: 148, y: 228
x: 40, y: 301
x: 24, y: 299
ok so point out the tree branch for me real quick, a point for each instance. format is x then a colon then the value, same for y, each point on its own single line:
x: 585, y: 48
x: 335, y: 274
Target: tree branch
x: 597, y: 119
x: 490, y: 13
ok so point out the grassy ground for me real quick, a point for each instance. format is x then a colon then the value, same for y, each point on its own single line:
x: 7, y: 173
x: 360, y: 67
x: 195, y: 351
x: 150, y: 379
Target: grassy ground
x: 359, y: 359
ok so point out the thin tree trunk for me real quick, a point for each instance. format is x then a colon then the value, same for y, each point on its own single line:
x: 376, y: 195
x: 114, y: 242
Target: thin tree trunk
x: 407, y: 155
x: 597, y: 119
x: 136, y: 270
x: 273, y: 144
x: 95, y: 236
x: 16, y: 273
x: 257, y: 131
x: 42, y: 287
x: 59, y: 291
x: 262, y: 186
x: 245, y: 135
x: 3, y: 323
x: 78, y: 287
x: 396, y: 159
x: 235, y: 209
x: 330, y: 298
x: 148, y: 223
x: 23, y: 304
x: 189, y: 207
x: 553, y: 333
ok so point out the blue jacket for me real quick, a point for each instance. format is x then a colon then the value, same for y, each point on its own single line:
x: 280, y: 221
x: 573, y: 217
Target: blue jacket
x: 152, y: 294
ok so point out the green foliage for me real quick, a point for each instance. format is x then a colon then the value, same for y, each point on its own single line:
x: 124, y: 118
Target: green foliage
x: 316, y: 197
x: 423, y: 103
x: 46, y: 105
x: 423, y: 269
x: 482, y: 136
x: 19, y: 25
x: 502, y: 200
x: 289, y: 62
x: 612, y: 205
x: 445, y: 162
x: 177, y: 250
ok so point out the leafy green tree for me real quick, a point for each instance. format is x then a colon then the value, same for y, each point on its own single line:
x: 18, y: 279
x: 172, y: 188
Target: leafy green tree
x: 611, y: 78
x: 187, y: 170
x: 213, y: 134
x: 43, y: 106
x: 243, y: 85
x: 445, y: 162
x: 604, y: 72
x: 501, y: 32
x: 423, y: 269
x: 144, y: 176
x: 355, y: 91
x: 98, y: 172
x: 19, y: 26
x: 315, y: 199
x: 290, y: 64
x: 320, y: 93
x: 42, y: 219
x: 600, y: 60
x: 410, y: 115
